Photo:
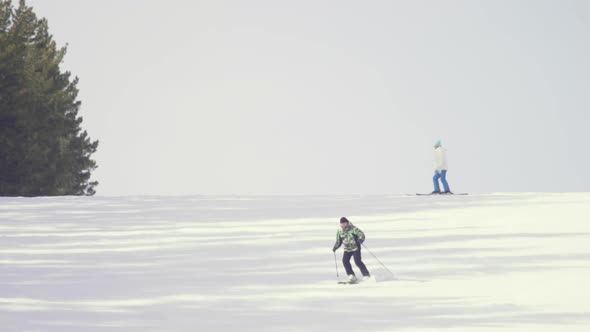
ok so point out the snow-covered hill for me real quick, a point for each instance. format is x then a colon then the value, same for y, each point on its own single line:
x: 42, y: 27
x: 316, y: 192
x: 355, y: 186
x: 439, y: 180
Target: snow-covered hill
x: 501, y: 262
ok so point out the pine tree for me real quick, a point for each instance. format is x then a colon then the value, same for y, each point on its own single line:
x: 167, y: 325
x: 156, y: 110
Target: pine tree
x: 43, y: 150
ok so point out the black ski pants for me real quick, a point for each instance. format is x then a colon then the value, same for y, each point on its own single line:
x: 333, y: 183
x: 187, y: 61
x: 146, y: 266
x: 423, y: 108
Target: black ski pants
x: 357, y: 260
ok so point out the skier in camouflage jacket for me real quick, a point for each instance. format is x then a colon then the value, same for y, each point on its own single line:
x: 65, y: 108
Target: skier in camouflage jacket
x: 352, y: 238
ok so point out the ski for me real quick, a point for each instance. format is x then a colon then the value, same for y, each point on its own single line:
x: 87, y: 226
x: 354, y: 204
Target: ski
x: 431, y: 194
x: 348, y: 282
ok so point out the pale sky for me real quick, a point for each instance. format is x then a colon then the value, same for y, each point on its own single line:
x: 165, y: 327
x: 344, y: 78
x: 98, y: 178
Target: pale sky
x: 330, y: 97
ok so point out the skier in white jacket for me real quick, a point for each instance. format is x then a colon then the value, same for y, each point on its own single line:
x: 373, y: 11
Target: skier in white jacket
x: 440, y: 157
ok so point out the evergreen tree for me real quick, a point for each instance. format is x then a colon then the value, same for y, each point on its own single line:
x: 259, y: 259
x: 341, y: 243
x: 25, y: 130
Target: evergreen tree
x: 43, y: 150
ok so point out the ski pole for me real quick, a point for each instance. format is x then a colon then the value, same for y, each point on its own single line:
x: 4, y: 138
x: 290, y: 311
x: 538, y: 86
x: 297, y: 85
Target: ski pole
x: 393, y: 275
x: 336, y: 263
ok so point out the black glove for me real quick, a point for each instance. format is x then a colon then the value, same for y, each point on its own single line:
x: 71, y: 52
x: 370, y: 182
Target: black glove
x: 334, y: 249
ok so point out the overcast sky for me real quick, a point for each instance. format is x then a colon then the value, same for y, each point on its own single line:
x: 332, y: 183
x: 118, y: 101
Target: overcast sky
x: 330, y: 97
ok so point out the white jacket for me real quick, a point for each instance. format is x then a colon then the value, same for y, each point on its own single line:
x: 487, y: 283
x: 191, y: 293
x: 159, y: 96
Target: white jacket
x: 440, y: 158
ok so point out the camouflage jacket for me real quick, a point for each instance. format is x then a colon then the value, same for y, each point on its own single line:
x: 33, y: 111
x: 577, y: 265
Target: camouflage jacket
x: 352, y: 238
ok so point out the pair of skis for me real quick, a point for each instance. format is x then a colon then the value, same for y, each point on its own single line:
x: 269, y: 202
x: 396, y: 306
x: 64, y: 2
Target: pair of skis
x: 441, y: 194
x: 349, y: 282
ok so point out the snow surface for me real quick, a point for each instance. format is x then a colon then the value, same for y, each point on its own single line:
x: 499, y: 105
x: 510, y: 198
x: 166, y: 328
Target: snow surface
x: 498, y: 262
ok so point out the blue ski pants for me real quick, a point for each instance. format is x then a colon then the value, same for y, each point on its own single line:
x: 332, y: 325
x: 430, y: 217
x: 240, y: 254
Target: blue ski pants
x: 443, y: 178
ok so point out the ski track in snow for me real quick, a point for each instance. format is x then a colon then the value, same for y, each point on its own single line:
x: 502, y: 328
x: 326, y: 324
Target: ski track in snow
x: 510, y: 262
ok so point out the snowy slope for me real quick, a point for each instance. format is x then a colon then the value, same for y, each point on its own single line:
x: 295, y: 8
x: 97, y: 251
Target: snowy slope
x: 502, y: 262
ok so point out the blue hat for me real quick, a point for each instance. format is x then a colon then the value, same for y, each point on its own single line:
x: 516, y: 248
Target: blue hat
x: 437, y: 143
